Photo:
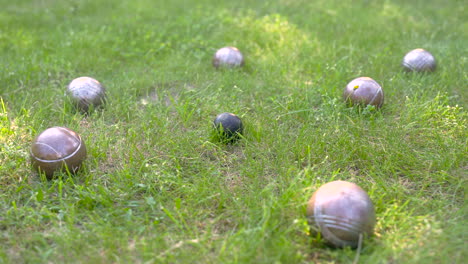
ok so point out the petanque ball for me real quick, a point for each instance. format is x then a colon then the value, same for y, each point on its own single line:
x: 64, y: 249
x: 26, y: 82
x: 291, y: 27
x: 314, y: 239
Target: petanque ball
x: 364, y: 91
x: 86, y: 92
x: 341, y: 211
x: 56, y: 149
x: 228, y: 125
x: 419, y: 60
x: 228, y: 57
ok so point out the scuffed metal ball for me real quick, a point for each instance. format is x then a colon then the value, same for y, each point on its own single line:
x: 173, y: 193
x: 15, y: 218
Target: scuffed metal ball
x: 365, y: 91
x: 228, y: 57
x: 341, y: 211
x: 86, y: 92
x: 228, y: 125
x: 57, y: 148
x: 419, y: 60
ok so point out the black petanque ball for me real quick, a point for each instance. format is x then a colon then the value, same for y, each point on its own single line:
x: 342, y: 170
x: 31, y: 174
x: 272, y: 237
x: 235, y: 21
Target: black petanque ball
x: 228, y: 57
x: 419, y: 60
x: 86, y: 92
x: 228, y: 125
x: 341, y: 211
x: 364, y: 91
x: 57, y: 148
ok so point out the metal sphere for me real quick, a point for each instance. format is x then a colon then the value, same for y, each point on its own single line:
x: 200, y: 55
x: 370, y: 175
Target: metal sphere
x: 228, y: 57
x: 57, y: 148
x: 365, y: 91
x: 419, y: 60
x: 228, y: 125
x: 86, y: 92
x: 341, y: 211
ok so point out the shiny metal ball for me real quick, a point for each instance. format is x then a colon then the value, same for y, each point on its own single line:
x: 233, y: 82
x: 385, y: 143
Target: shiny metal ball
x: 228, y: 57
x: 86, y: 92
x: 228, y: 125
x: 57, y: 149
x: 419, y: 60
x: 341, y: 211
x: 364, y: 91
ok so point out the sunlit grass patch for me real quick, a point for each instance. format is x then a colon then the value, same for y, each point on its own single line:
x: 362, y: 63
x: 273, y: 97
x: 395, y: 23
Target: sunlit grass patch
x: 14, y: 155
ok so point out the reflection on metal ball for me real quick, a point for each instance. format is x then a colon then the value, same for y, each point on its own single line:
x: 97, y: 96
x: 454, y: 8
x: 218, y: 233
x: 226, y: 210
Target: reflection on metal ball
x: 342, y: 212
x: 228, y: 57
x: 86, y: 92
x: 419, y: 60
x: 364, y: 91
x: 57, y: 148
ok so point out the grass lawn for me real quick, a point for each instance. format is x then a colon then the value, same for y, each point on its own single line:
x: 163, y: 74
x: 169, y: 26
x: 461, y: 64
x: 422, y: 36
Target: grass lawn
x: 157, y: 187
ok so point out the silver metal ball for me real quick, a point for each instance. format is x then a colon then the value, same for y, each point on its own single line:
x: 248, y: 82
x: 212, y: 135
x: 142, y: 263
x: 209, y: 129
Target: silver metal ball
x: 228, y: 57
x: 342, y: 212
x: 419, y: 60
x: 86, y: 92
x: 365, y: 91
x: 57, y: 148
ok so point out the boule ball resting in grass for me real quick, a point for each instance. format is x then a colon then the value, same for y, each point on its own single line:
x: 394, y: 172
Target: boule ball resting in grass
x: 342, y: 212
x: 419, y: 60
x: 364, y: 91
x: 229, y: 126
x: 57, y: 149
x: 228, y: 57
x: 86, y: 92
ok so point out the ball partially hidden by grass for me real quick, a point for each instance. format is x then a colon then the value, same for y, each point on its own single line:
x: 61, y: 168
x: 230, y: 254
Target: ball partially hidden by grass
x: 86, y: 92
x: 228, y: 57
x: 419, y: 60
x: 228, y: 126
x: 364, y: 91
x: 342, y: 212
x: 57, y: 148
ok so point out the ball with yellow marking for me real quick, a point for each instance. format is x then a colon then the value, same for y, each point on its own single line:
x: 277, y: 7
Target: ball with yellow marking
x: 364, y: 91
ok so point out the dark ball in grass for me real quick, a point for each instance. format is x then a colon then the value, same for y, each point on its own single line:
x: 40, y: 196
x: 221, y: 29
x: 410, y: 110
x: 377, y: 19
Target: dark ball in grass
x: 342, y: 212
x: 86, y: 92
x: 419, y: 60
x: 57, y: 149
x: 364, y: 91
x: 228, y: 57
x: 229, y: 126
